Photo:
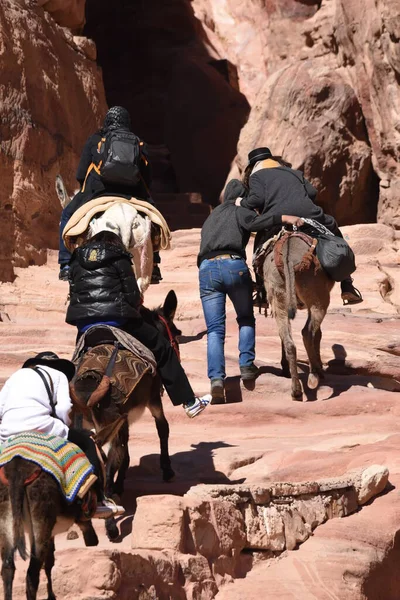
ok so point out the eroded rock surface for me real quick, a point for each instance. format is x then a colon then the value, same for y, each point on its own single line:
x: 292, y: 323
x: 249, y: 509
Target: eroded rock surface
x: 51, y: 98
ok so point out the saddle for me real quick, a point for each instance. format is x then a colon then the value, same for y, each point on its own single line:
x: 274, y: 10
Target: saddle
x: 309, y: 258
x: 102, y: 345
x: 74, y: 230
x: 276, y: 245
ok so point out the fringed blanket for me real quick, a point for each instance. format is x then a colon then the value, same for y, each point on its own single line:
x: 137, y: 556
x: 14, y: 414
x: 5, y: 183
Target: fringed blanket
x: 58, y: 457
x: 127, y: 372
x: 81, y: 218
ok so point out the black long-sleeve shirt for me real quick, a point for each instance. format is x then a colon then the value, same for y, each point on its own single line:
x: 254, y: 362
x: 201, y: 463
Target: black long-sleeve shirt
x: 281, y: 191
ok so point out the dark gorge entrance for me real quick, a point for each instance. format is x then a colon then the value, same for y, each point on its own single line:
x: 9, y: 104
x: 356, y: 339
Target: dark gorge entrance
x: 183, y: 97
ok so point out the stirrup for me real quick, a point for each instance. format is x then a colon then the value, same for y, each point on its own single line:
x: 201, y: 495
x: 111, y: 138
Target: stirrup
x: 353, y: 297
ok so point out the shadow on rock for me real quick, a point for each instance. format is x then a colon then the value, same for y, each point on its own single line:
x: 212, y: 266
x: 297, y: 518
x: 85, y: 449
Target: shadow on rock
x: 233, y: 393
x: 191, y: 467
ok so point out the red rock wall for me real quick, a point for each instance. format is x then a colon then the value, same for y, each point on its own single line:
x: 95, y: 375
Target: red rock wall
x: 51, y: 98
x: 323, y: 80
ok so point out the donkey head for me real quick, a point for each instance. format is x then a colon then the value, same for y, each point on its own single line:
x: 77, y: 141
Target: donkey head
x: 163, y: 319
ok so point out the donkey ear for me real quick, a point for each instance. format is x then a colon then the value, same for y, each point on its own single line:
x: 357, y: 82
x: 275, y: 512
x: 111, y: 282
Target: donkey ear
x: 170, y: 305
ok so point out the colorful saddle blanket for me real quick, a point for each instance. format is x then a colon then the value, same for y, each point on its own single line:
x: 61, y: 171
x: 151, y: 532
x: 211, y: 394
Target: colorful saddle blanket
x: 58, y: 457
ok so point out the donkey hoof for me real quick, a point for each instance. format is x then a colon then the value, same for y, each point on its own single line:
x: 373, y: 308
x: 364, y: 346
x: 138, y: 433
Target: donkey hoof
x: 112, y: 529
x: 297, y: 396
x: 168, y: 475
x: 313, y: 381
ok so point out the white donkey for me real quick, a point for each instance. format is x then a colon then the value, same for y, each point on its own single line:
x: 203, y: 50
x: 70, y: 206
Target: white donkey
x: 133, y: 229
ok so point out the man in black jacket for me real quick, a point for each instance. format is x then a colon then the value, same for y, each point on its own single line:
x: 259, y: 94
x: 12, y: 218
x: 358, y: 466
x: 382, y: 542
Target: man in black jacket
x: 223, y: 272
x: 103, y: 291
x: 91, y: 183
x: 274, y: 188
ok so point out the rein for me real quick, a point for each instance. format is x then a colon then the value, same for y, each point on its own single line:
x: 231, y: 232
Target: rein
x: 171, y: 338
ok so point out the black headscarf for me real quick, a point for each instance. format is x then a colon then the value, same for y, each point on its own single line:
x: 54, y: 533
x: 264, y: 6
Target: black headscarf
x: 117, y: 118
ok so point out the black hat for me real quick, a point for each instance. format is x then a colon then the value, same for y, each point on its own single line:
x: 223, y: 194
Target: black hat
x: 259, y: 154
x: 50, y: 359
x: 117, y: 116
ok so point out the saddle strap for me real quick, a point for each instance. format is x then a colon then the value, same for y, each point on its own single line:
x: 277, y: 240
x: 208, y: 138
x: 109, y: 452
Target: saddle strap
x: 48, y: 384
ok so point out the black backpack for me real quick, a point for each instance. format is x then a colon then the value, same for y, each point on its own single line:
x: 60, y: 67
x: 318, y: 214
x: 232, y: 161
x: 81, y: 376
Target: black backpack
x: 120, y: 157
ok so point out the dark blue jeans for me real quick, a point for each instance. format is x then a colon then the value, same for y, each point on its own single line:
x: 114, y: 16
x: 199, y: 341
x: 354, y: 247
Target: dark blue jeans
x: 219, y: 278
x: 63, y: 254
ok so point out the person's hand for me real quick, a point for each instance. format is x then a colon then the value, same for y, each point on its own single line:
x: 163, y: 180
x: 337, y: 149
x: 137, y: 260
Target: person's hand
x: 291, y: 220
x: 238, y: 201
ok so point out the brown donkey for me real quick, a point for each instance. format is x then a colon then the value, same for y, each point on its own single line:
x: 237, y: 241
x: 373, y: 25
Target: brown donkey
x: 147, y: 394
x: 293, y: 278
x: 32, y: 501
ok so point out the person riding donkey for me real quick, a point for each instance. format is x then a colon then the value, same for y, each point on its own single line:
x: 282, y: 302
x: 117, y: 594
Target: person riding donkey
x: 37, y: 398
x: 97, y: 176
x: 274, y: 188
x: 104, y: 291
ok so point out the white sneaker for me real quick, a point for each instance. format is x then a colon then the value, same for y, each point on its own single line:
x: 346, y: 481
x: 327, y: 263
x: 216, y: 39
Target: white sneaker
x: 198, y: 406
x: 108, y: 509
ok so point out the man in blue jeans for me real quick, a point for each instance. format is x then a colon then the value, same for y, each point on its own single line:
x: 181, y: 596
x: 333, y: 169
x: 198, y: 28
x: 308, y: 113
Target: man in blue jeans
x: 223, y: 272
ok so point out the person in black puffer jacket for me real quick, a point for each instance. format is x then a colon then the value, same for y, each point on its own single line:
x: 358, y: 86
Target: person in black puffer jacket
x: 104, y: 291
x: 103, y: 286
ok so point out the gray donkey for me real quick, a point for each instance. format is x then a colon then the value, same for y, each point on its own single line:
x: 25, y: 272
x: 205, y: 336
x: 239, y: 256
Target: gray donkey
x: 293, y: 278
x: 31, y: 500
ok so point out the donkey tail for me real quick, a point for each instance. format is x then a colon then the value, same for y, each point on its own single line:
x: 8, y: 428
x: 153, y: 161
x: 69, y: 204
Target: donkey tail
x: 288, y: 270
x: 16, y: 476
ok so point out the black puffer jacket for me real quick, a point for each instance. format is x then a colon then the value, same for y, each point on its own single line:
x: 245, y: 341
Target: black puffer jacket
x: 102, y: 283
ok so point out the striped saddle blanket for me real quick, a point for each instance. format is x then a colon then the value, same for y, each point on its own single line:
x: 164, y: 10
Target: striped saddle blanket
x: 58, y: 457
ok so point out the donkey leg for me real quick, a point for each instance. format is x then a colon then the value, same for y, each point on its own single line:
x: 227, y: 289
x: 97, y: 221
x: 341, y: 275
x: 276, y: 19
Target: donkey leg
x: 114, y: 461
x: 88, y: 532
x: 285, y: 334
x: 48, y: 565
x: 163, y: 434
x: 284, y: 362
x: 119, y: 482
x: 33, y: 573
x: 312, y: 342
x: 156, y: 408
x: 7, y: 569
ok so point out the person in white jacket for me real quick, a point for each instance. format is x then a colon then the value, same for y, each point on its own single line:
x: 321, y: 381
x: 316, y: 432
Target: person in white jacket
x: 37, y: 398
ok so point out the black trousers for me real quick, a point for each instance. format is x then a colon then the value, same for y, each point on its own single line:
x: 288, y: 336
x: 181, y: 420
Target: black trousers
x: 172, y: 375
x: 83, y: 439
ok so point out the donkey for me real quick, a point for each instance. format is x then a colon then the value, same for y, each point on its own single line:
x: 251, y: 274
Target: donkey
x: 147, y: 394
x: 31, y: 500
x: 299, y: 282
x: 133, y: 229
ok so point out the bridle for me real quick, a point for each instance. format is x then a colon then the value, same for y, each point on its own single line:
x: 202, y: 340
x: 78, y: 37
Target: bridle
x: 171, y: 338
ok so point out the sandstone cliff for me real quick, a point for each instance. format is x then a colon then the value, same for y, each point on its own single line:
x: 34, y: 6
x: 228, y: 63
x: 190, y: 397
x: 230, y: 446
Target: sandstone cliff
x: 51, y: 98
x: 323, y: 80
